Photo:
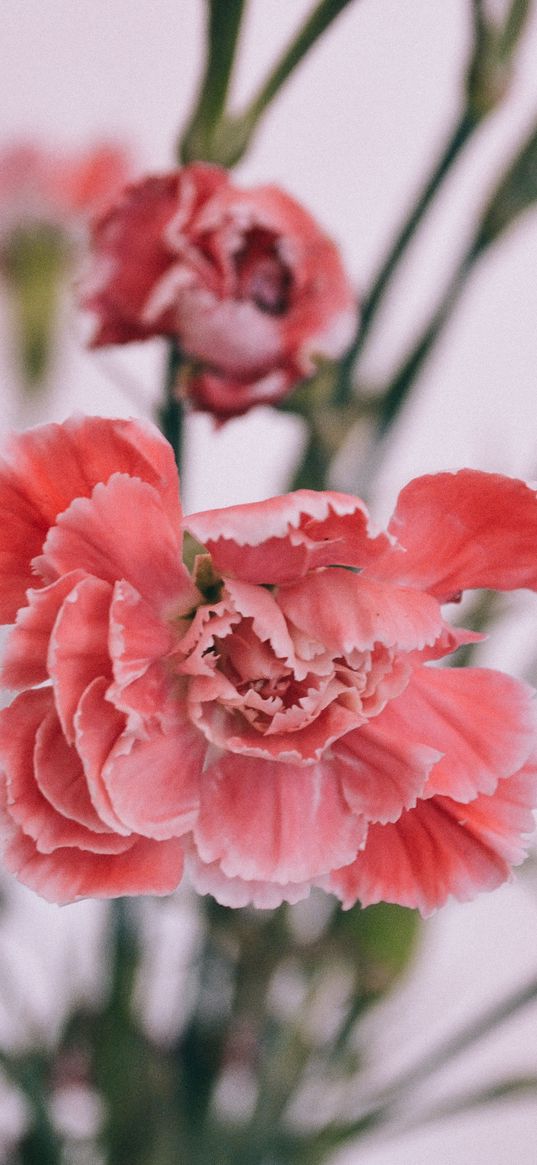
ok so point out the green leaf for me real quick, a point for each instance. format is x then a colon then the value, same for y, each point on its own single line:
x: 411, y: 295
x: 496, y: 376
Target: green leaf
x: 384, y: 939
x: 33, y: 264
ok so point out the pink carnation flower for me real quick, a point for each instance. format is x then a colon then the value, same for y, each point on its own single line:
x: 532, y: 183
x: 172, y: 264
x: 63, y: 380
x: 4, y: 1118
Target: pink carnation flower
x: 276, y: 718
x: 49, y: 187
x: 244, y: 280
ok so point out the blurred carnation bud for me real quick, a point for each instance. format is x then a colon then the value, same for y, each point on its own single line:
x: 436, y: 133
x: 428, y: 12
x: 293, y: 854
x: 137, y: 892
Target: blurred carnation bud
x: 498, y: 29
x: 45, y: 202
x: 245, y: 281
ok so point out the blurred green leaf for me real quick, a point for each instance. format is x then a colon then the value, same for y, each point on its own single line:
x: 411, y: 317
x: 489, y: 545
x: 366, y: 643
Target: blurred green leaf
x: 511, y: 1089
x: 383, y: 939
x: 33, y: 264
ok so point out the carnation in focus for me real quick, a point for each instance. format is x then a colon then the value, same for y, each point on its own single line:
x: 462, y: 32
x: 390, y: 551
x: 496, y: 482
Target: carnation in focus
x: 245, y: 281
x: 276, y: 718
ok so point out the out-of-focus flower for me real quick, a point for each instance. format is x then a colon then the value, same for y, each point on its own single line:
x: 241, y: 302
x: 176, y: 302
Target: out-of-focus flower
x: 244, y: 280
x: 277, y: 717
x: 46, y: 200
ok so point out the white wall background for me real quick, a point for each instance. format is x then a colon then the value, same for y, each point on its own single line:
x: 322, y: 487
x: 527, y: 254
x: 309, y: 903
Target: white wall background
x: 352, y: 136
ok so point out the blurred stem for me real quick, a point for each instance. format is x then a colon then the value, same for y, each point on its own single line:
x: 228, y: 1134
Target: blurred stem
x: 121, y: 1053
x: 41, y: 1144
x: 314, y: 26
x: 314, y: 465
x: 212, y: 134
x: 510, y: 1089
x: 464, y: 129
x: 404, y: 379
x: 170, y: 415
x: 224, y: 23
x: 380, y: 1110
x: 199, y: 1051
x: 485, y: 611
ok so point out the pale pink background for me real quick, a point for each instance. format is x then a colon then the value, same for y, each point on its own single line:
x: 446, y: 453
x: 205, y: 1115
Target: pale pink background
x: 352, y: 135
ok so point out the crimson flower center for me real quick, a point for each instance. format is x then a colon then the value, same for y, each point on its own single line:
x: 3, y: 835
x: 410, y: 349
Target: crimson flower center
x: 261, y: 274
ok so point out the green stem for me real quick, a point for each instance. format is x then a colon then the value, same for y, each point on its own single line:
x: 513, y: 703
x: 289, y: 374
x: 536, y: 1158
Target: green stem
x: 314, y: 26
x: 381, y: 1109
x: 400, y: 386
x: 170, y: 414
x: 465, y: 127
x: 224, y: 23
x: 41, y: 1144
x: 314, y: 464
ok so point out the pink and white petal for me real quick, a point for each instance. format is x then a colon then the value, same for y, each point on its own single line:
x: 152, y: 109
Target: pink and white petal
x: 122, y: 532
x: 139, y: 643
x: 25, y: 657
x: 269, y: 625
x: 153, y: 782
x: 344, y: 611
x: 137, y: 636
x: 443, y: 849
x: 98, y: 725
x: 482, y: 721
x: 298, y: 747
x: 382, y: 773
x: 78, y: 648
x: 61, y: 778
x: 44, y: 469
x: 68, y: 875
x: 281, y: 539
x: 208, y: 878
x: 268, y: 821
x: 227, y: 395
x: 20, y: 727
x: 460, y: 530
x: 448, y: 641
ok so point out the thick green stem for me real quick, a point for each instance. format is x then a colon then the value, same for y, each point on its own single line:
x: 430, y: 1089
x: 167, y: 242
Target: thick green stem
x: 215, y: 135
x: 41, y: 1144
x: 314, y: 464
x: 170, y: 414
x: 224, y: 24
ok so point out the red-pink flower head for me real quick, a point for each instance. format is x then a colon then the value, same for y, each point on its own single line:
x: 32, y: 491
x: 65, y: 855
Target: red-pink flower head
x: 46, y: 200
x: 40, y: 187
x: 276, y: 718
x: 245, y: 280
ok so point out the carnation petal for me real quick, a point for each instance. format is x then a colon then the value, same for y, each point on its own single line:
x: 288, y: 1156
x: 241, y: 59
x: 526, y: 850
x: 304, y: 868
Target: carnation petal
x: 208, y: 878
x: 281, y: 539
x: 25, y: 657
x: 273, y: 821
x: 28, y: 807
x: 482, y: 721
x: 67, y: 875
x: 44, y: 469
x: 344, y: 611
x: 60, y: 776
x: 78, y: 649
x: 442, y: 848
x: 153, y: 782
x: 98, y: 725
x: 121, y: 532
x: 461, y: 530
x: 139, y: 642
x: 382, y: 772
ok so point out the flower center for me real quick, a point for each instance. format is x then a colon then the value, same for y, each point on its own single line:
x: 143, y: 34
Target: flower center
x: 262, y: 276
